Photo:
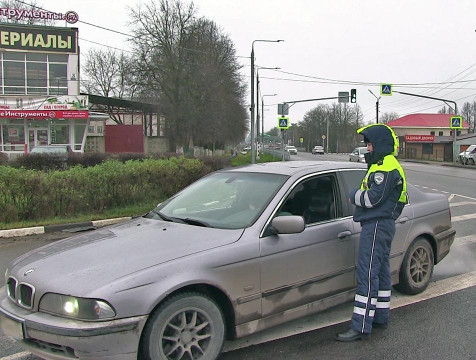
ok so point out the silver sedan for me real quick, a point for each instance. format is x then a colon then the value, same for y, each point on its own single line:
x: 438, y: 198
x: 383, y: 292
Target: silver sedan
x: 236, y: 252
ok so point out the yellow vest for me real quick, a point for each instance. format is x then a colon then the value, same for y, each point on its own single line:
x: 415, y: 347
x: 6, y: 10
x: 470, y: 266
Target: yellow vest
x: 389, y: 164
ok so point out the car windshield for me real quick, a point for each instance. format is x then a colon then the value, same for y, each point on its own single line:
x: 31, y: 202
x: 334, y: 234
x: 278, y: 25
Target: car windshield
x: 222, y: 200
x: 49, y: 150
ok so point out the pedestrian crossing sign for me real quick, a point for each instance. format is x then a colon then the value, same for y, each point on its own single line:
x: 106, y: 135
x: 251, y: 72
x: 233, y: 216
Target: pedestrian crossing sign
x: 283, y: 123
x: 386, y: 89
x: 456, y: 122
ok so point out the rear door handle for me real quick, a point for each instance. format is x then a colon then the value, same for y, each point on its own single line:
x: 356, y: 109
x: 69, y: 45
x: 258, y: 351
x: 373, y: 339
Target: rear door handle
x: 403, y: 220
x: 344, y: 235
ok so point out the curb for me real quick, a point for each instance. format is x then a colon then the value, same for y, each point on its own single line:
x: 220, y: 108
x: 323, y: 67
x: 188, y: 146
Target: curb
x: 60, y: 227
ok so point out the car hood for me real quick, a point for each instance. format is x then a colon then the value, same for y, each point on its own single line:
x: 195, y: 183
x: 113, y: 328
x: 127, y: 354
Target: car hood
x: 92, y: 260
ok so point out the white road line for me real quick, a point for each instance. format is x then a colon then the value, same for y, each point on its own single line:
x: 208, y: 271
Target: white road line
x: 343, y: 313
x: 465, y: 240
x: 461, y: 203
x: 463, y: 217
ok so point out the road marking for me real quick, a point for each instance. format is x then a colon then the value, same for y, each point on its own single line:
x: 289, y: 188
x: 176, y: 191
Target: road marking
x: 464, y: 240
x: 461, y: 203
x: 343, y: 313
x: 463, y: 217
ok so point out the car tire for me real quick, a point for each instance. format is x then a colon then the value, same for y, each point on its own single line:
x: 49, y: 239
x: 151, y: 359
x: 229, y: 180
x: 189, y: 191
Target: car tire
x: 186, y: 326
x: 417, y: 267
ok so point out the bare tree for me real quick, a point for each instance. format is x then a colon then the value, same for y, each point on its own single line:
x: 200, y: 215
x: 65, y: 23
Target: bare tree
x: 189, y: 66
x: 109, y: 73
x: 388, y: 116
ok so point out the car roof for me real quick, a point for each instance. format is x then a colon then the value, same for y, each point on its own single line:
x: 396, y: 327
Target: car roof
x: 294, y: 167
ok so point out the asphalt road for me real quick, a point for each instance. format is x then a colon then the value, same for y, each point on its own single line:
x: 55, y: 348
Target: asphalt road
x: 440, y: 324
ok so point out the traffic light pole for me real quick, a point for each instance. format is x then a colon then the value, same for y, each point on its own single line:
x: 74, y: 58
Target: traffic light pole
x: 445, y: 101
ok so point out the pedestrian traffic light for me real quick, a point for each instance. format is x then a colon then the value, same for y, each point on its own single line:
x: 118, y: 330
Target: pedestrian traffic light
x: 353, y: 95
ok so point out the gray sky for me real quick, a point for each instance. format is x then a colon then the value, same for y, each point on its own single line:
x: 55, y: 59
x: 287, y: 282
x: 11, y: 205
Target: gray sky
x: 426, y: 43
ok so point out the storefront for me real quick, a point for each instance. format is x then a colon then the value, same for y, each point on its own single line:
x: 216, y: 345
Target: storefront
x: 40, y: 103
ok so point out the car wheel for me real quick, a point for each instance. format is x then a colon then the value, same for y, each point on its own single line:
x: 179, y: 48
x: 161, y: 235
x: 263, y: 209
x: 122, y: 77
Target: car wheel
x: 186, y: 326
x: 417, y: 267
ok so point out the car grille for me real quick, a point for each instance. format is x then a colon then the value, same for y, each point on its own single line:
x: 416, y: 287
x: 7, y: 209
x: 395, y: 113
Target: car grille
x: 21, y: 293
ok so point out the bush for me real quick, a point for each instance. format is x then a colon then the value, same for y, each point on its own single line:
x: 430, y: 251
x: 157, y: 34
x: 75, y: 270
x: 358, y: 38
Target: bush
x: 33, y: 195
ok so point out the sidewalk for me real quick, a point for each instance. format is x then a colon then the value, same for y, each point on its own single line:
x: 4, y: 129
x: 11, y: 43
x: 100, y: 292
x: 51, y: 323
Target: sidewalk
x: 60, y: 227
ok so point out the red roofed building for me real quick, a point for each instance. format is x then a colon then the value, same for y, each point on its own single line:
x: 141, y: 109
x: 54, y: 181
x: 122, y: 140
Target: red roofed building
x: 427, y: 136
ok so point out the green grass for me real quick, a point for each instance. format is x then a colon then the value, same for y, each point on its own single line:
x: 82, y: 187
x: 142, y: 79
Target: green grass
x: 107, y: 214
x: 241, y: 159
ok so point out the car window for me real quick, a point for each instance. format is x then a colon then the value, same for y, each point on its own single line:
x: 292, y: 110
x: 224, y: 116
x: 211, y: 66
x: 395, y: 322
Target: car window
x: 229, y: 200
x: 352, y: 180
x: 315, y: 199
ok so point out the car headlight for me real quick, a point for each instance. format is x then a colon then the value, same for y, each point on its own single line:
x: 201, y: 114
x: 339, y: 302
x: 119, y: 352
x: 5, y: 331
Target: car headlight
x: 76, y: 307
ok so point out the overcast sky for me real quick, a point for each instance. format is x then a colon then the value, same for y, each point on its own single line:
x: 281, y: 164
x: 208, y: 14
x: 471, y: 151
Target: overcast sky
x: 430, y: 44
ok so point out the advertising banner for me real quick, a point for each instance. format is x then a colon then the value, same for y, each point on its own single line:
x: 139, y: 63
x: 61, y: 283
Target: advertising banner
x: 65, y: 102
x: 419, y: 138
x: 44, y: 114
x: 44, y: 39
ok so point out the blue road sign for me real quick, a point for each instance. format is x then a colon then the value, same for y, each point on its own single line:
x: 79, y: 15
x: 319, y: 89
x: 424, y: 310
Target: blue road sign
x: 283, y: 123
x: 386, y: 89
x: 456, y: 122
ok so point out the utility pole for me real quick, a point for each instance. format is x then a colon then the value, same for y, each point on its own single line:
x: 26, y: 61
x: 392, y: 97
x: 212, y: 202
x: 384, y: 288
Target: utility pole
x: 377, y: 103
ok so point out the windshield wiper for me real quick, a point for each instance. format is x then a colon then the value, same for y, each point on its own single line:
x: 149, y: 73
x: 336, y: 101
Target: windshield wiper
x: 196, y: 222
x: 162, y: 216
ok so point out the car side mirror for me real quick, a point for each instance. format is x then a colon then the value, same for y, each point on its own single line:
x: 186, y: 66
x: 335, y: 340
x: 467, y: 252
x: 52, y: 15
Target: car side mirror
x: 288, y: 224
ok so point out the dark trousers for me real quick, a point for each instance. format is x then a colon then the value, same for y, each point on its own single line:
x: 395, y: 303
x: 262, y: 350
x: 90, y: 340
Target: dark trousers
x: 372, y: 300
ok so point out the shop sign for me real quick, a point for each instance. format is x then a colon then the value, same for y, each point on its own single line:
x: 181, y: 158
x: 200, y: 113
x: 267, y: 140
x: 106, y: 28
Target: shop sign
x: 18, y: 37
x: 419, y: 138
x: 18, y: 14
x: 64, y: 102
x: 44, y: 114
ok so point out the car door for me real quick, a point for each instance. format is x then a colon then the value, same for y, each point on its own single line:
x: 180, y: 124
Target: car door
x: 297, y: 269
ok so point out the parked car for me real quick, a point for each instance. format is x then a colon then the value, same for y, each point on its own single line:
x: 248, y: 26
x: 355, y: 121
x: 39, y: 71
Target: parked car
x: 468, y: 156
x: 291, y: 150
x: 236, y: 252
x: 318, y: 150
x: 51, y: 149
x: 358, y: 154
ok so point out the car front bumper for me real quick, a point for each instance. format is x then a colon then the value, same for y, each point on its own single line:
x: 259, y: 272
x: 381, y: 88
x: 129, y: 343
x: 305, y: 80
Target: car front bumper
x: 56, y: 338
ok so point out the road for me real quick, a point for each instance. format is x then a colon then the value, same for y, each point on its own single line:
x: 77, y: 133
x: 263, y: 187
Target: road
x: 440, y: 323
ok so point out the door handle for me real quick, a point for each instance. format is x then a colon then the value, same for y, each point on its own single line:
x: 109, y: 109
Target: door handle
x: 344, y: 235
x: 403, y: 220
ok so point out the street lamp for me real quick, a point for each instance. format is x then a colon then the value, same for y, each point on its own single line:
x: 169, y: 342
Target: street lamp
x: 262, y: 117
x: 378, y: 99
x: 252, y: 109
x: 257, y: 96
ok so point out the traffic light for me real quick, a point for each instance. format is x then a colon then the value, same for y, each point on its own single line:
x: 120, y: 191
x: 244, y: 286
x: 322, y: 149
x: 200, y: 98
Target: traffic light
x: 353, y: 95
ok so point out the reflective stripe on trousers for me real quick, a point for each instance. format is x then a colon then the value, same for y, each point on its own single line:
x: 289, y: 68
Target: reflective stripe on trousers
x: 372, y: 300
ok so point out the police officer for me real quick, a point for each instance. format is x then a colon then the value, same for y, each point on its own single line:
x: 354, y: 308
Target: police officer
x: 379, y: 202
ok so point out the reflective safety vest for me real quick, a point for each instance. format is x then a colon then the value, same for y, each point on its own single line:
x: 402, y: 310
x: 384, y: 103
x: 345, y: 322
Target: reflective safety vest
x: 389, y: 164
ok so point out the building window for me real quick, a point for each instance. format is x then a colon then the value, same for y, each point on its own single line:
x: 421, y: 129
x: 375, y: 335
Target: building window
x: 99, y: 129
x: 59, y: 132
x: 458, y: 132
x: 427, y: 149
x: 432, y: 133
x: 440, y: 133
x: 33, y: 73
x: 90, y: 129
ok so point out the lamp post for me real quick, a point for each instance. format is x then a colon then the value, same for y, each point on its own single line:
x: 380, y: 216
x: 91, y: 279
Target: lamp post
x: 262, y: 117
x: 252, y: 109
x: 378, y: 99
x: 257, y: 98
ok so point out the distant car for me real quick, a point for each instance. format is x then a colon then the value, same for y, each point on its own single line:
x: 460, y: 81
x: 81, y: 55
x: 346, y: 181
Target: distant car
x: 318, y: 150
x: 291, y: 150
x: 358, y: 154
x: 51, y: 149
x: 238, y: 251
x: 468, y: 156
